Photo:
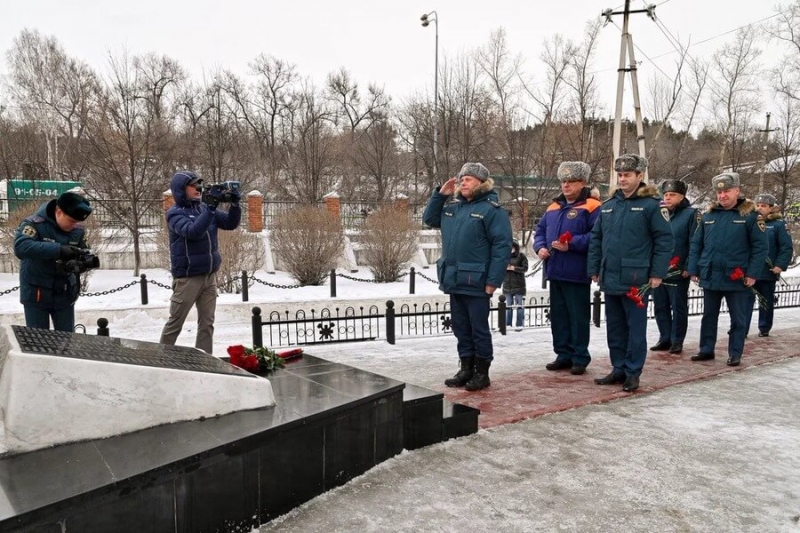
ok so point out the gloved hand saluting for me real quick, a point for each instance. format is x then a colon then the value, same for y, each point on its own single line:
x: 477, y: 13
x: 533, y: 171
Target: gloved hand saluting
x: 68, y: 252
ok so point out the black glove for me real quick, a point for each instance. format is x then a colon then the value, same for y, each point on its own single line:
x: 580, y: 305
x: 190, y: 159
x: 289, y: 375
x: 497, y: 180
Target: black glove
x: 67, y: 252
x: 236, y: 197
x: 212, y: 198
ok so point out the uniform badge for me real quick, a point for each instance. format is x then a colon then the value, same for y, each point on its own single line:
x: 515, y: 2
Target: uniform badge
x: 761, y: 224
x: 29, y: 231
x: 665, y: 213
x: 572, y: 213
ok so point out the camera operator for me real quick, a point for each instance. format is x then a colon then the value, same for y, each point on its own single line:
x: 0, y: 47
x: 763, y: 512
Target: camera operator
x: 43, y: 242
x: 194, y: 254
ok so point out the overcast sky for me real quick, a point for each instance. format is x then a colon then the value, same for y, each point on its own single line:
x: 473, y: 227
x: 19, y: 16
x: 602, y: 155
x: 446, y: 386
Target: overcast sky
x: 377, y: 41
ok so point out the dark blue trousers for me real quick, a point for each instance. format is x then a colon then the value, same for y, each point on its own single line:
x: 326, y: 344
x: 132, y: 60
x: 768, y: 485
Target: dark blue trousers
x: 39, y: 317
x: 469, y: 316
x: 766, y: 289
x: 626, y: 329
x: 570, y: 319
x: 737, y: 309
x: 671, y: 305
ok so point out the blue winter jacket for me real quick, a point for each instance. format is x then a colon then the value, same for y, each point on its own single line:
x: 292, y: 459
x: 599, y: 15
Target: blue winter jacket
x: 726, y: 239
x: 631, y: 241
x: 780, y: 247
x: 683, y: 221
x: 578, y: 218
x: 193, y: 247
x: 38, y: 244
x: 476, y: 240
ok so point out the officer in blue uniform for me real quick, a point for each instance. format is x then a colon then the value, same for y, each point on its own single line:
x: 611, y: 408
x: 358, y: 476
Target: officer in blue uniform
x: 476, y: 249
x: 780, y: 254
x: 54, y: 232
x: 731, y: 237
x: 630, y: 248
x: 671, y: 299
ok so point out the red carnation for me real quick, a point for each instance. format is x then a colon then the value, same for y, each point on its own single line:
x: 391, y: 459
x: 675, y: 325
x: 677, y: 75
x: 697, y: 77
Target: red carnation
x: 674, y: 262
x: 236, y: 351
x: 565, y: 238
x: 737, y: 274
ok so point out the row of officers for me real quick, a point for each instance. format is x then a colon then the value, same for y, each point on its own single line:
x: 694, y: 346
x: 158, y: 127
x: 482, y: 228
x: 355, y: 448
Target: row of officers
x: 643, y: 242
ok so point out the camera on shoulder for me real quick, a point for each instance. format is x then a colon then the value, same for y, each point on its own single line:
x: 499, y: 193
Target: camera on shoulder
x: 219, y: 193
x: 85, y: 260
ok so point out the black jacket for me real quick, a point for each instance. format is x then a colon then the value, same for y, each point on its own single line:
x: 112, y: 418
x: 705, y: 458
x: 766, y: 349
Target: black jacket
x: 514, y: 282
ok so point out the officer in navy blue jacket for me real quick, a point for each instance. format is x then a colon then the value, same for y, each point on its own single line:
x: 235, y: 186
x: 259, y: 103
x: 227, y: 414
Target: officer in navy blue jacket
x: 43, y: 242
x: 728, y: 251
x: 671, y: 299
x: 476, y: 249
x: 780, y: 254
x: 194, y: 256
x: 630, y: 249
x: 574, y: 211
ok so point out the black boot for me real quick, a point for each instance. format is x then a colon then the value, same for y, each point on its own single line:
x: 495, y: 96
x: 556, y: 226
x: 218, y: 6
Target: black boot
x: 464, y: 374
x: 480, y: 380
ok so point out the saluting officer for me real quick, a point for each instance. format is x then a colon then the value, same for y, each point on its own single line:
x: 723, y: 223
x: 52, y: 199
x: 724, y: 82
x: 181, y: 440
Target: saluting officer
x: 671, y: 299
x: 730, y: 238
x: 779, y: 256
x: 630, y: 248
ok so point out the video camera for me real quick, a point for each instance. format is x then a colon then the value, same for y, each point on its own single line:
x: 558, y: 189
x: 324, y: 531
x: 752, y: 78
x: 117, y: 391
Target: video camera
x: 219, y: 193
x: 86, y: 260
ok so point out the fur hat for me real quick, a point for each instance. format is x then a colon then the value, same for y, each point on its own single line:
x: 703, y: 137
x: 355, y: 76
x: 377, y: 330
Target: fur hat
x: 476, y: 170
x: 673, y: 186
x: 766, y: 199
x: 574, y: 171
x: 74, y: 205
x: 725, y: 181
x: 630, y: 163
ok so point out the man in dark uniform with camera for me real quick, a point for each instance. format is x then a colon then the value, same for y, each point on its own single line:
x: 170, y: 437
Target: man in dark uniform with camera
x: 52, y: 250
x: 194, y: 253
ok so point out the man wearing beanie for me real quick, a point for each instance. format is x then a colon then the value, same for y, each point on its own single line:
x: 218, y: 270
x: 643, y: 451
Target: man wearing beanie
x: 562, y: 241
x: 728, y: 251
x: 629, y: 251
x: 194, y: 257
x: 53, y: 233
x: 671, y: 299
x: 476, y: 248
x: 778, y: 258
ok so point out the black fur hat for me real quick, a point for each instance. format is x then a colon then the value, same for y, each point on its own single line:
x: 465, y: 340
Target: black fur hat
x: 673, y: 186
x: 74, y: 205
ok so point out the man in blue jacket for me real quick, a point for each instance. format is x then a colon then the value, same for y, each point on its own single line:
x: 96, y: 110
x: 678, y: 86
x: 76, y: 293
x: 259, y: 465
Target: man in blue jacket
x: 671, y: 299
x: 194, y: 257
x: 726, y: 257
x: 43, y: 242
x: 476, y: 248
x: 780, y: 254
x: 573, y: 211
x: 630, y: 250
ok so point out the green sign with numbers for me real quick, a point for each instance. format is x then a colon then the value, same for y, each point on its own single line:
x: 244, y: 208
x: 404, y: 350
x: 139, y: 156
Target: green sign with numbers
x: 21, y: 191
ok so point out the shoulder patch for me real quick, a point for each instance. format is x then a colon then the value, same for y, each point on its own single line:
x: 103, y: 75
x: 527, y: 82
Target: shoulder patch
x: 29, y: 231
x: 761, y: 224
x: 665, y: 212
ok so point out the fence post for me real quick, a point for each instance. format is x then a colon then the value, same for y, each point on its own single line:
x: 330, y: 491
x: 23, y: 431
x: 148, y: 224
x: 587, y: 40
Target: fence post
x: 390, y: 322
x: 143, y: 283
x: 412, y: 280
x: 596, y: 309
x: 501, y: 314
x: 245, y: 289
x: 333, y: 283
x: 102, y: 327
x: 544, y: 278
x: 258, y: 340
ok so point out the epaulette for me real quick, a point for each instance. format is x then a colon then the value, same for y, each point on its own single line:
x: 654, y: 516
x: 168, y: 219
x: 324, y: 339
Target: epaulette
x: 495, y: 203
x: 451, y: 200
x: 36, y: 219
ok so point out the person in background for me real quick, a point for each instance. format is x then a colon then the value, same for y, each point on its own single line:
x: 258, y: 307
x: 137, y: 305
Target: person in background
x: 476, y: 248
x: 727, y: 254
x: 671, y: 299
x: 628, y: 256
x: 194, y: 256
x: 43, y: 242
x: 514, y: 285
x: 779, y: 256
x: 562, y: 242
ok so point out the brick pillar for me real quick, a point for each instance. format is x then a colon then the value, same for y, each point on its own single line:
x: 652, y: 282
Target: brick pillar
x: 524, y: 211
x: 332, y: 204
x: 167, y: 200
x: 255, y: 208
x: 401, y: 203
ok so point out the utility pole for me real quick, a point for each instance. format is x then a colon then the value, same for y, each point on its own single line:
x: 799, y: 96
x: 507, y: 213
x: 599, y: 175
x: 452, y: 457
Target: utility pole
x: 766, y: 131
x: 626, y: 52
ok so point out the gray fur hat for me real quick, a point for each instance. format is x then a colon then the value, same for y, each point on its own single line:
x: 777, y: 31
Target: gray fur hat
x: 673, y: 186
x: 630, y: 163
x: 766, y: 199
x: 574, y: 171
x: 725, y: 181
x: 476, y: 170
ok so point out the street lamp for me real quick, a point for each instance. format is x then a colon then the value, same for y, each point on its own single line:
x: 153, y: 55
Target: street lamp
x: 426, y: 19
